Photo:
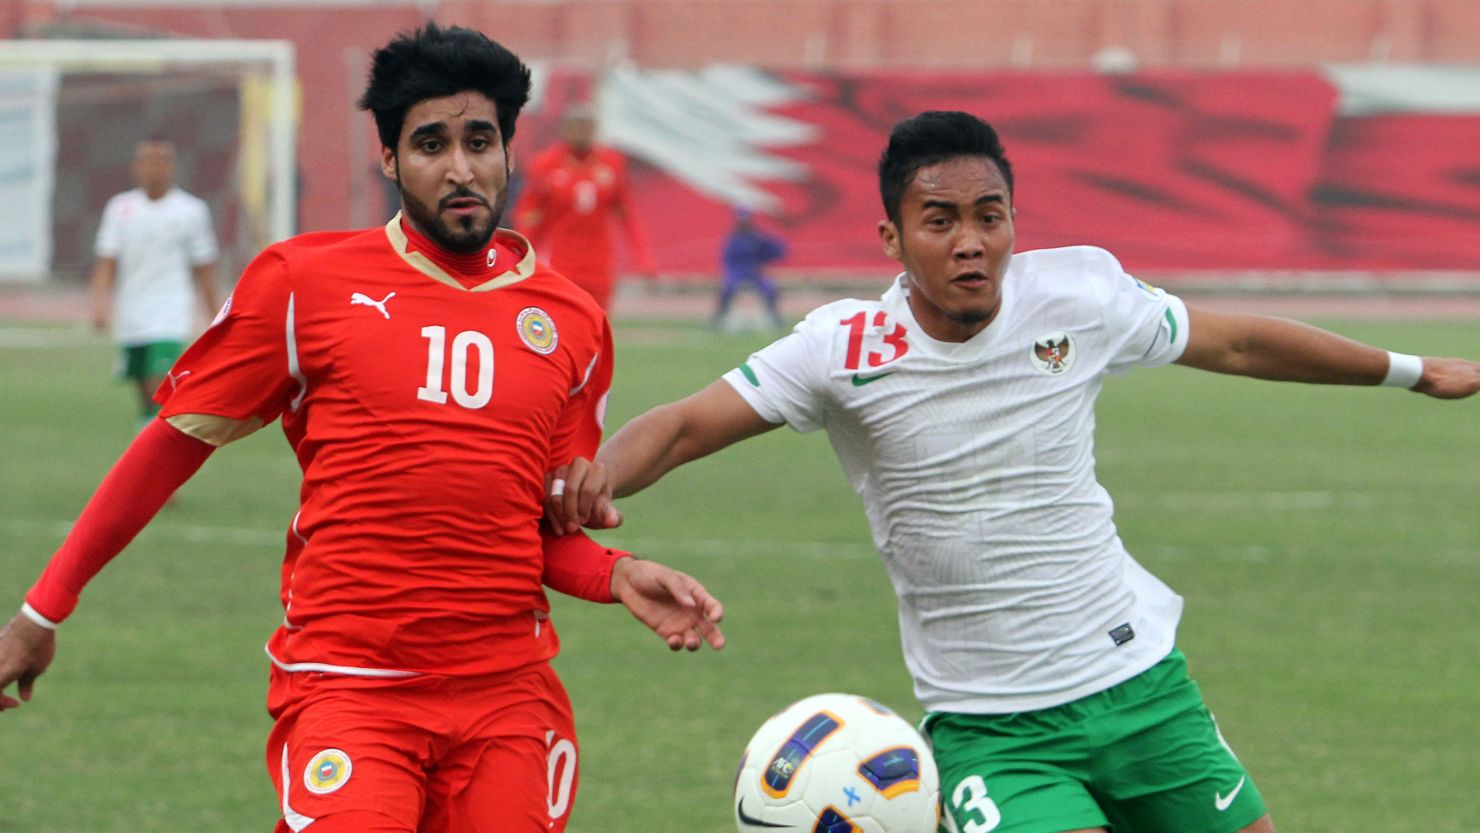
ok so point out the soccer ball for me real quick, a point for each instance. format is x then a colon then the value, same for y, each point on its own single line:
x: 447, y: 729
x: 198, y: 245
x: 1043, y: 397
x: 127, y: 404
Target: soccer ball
x: 837, y: 763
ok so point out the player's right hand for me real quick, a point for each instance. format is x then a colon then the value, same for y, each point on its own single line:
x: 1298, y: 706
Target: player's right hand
x: 26, y: 649
x: 579, y: 494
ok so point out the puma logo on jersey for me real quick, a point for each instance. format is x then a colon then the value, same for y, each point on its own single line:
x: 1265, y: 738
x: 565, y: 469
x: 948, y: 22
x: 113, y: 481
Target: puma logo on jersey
x: 365, y: 300
x: 176, y: 378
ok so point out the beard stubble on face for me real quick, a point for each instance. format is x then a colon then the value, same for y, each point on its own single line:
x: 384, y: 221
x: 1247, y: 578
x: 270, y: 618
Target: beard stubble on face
x: 468, y: 235
x: 971, y: 317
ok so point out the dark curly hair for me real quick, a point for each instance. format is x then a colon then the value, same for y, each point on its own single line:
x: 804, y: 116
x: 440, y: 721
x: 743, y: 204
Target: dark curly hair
x: 433, y: 62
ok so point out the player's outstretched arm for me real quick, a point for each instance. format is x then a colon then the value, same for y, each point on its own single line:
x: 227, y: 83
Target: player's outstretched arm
x: 26, y: 649
x: 668, y: 436
x: 645, y: 449
x: 672, y: 604
x: 158, y: 461
x: 1280, y: 349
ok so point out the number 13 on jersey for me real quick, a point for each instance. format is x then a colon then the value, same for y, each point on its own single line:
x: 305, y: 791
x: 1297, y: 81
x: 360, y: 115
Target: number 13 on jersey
x: 858, y: 333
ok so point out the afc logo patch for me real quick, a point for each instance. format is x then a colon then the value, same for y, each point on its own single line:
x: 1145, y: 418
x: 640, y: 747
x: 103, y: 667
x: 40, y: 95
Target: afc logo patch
x: 327, y: 771
x: 1054, y: 353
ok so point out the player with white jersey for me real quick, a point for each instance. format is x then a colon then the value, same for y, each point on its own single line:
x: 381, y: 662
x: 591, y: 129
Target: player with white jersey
x: 968, y: 496
x: 156, y: 259
x: 961, y: 406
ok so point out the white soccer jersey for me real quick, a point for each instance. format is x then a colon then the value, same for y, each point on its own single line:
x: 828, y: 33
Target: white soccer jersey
x: 975, y: 463
x: 156, y: 244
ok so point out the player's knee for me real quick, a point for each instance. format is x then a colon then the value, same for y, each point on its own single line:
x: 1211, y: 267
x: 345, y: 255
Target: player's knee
x: 357, y: 821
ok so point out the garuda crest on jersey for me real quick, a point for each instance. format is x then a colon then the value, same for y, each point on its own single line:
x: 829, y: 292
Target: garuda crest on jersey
x: 1054, y: 353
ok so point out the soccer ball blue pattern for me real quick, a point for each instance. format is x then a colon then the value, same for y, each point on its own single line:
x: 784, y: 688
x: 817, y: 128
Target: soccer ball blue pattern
x: 837, y: 763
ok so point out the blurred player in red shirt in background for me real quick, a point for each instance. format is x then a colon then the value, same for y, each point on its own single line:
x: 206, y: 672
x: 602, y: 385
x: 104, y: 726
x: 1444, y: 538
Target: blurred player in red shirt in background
x: 410, y: 680
x: 574, y: 191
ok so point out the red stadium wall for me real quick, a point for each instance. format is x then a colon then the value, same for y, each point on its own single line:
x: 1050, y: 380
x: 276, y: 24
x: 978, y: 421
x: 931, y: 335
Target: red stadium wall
x: 1174, y: 171
x: 1249, y: 162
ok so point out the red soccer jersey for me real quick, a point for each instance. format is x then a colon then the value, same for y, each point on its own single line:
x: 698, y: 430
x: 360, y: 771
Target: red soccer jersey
x: 424, y: 415
x: 570, y: 203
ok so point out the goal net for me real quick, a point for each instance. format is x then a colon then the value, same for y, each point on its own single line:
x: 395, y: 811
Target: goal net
x: 71, y: 112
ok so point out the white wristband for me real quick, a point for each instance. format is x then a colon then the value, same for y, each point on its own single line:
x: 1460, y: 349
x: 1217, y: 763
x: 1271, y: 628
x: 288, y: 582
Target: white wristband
x: 1404, y: 370
x: 30, y: 613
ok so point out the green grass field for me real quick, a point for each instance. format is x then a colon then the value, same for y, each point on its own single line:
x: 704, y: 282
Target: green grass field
x: 1326, y: 540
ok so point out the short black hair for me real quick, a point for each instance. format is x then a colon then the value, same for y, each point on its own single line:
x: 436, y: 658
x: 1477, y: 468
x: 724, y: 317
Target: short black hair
x: 928, y: 139
x: 433, y: 62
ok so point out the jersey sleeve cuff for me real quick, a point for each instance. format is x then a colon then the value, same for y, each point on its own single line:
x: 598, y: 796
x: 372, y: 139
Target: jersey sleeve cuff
x: 1177, y: 319
x: 741, y: 382
x: 32, y: 614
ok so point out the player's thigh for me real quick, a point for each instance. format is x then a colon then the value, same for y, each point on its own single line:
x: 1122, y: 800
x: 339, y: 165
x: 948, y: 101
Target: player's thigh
x: 1164, y: 767
x: 517, y: 769
x: 349, y: 754
x: 1010, y: 782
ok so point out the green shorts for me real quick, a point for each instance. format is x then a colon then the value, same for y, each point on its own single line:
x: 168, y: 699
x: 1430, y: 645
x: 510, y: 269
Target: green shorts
x: 149, y: 361
x: 1141, y: 757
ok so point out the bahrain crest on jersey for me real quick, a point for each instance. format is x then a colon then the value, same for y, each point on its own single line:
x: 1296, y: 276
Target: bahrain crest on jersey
x: 1054, y: 353
x: 537, y: 330
x: 327, y: 771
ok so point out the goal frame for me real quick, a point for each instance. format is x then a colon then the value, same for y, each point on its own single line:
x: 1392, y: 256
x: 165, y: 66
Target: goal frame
x: 157, y: 55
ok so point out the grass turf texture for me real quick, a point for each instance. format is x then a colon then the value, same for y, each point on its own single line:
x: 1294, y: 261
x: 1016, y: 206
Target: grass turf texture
x: 1325, y: 540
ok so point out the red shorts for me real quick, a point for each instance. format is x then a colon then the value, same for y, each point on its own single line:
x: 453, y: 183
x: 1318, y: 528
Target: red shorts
x: 431, y: 754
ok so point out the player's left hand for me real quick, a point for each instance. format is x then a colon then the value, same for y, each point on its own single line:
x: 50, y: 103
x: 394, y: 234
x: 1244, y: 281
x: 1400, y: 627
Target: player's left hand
x: 1445, y: 378
x: 674, y: 605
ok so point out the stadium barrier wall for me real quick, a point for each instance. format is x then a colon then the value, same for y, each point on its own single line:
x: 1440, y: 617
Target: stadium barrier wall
x: 1348, y: 169
x: 1252, y: 160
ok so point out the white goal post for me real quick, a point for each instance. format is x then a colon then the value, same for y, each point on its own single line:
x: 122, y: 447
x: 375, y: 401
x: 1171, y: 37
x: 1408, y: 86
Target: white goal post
x: 261, y: 75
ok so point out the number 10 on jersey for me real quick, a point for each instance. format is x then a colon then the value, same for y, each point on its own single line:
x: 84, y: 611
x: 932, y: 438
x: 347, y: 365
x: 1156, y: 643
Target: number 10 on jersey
x: 464, y: 345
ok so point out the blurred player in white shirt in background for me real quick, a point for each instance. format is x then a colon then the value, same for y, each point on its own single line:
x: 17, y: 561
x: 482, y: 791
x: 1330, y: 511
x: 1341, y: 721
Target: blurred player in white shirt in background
x: 156, y: 259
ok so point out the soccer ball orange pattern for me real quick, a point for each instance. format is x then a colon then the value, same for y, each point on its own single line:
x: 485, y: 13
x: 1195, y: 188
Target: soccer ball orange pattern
x: 837, y: 763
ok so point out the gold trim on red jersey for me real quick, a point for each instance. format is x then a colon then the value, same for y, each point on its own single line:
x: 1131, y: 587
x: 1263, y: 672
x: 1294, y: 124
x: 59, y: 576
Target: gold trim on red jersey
x: 216, y: 430
x: 421, y: 263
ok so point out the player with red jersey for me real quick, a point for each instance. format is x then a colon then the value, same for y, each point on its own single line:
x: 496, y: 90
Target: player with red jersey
x: 575, y: 190
x: 427, y: 375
